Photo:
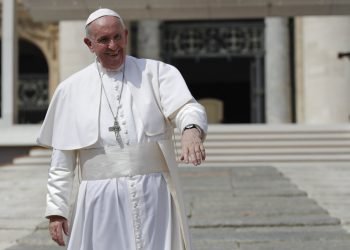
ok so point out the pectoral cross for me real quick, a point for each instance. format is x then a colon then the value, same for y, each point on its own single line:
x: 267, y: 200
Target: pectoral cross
x: 115, y: 128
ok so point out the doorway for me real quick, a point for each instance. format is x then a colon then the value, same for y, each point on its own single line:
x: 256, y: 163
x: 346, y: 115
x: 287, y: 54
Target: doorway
x: 221, y: 61
x: 221, y: 79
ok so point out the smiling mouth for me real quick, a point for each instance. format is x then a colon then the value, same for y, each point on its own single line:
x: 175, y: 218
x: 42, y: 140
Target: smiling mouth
x: 115, y: 54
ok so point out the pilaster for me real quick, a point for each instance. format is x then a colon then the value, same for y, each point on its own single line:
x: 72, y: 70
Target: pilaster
x: 9, y: 63
x: 277, y: 77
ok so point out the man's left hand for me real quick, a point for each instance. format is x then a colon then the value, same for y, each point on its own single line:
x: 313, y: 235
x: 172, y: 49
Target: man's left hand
x: 192, y: 147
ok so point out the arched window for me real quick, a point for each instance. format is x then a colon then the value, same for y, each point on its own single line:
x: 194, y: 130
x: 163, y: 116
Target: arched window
x: 32, y: 96
x: 33, y: 83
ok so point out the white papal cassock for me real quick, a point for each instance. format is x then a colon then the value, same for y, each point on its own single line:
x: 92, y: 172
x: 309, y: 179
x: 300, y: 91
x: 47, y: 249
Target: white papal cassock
x: 129, y: 212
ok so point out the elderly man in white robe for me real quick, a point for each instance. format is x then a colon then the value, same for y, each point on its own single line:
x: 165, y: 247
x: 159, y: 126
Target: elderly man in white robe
x: 116, y: 118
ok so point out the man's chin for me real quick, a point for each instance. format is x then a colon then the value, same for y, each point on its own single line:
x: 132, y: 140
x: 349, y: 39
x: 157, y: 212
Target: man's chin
x: 115, y: 64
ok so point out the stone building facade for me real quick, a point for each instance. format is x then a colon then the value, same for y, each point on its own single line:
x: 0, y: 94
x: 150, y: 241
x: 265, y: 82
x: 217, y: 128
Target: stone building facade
x: 269, y: 70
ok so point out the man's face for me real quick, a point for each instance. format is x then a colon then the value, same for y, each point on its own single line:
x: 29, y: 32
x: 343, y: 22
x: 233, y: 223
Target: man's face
x: 107, y: 38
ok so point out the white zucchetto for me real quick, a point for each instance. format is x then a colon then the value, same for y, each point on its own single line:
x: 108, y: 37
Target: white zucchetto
x: 100, y: 13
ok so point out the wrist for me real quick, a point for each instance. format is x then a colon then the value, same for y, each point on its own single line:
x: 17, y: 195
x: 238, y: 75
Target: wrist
x: 193, y: 126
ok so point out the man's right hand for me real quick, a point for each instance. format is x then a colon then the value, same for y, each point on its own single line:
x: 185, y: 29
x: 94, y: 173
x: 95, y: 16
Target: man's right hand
x: 57, y: 225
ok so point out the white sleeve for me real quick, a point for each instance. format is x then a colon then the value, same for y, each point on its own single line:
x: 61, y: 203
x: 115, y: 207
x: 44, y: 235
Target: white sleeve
x: 191, y: 113
x: 60, y: 182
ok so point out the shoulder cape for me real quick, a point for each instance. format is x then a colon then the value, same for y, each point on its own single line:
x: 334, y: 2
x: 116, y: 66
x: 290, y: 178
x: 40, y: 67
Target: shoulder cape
x: 72, y: 119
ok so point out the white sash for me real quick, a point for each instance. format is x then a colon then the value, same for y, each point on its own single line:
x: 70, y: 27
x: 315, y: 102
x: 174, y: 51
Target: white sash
x: 115, y: 162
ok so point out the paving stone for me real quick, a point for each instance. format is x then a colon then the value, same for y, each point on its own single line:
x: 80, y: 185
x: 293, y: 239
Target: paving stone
x: 328, y: 185
x: 260, y: 205
x: 244, y: 192
x: 35, y: 247
x: 256, y: 171
x: 208, y: 179
x: 293, y: 245
x: 8, y: 237
x: 254, y: 183
x: 19, y: 223
x: 38, y: 237
x: 262, y: 221
x: 270, y: 233
x: 229, y: 209
x: 215, y: 245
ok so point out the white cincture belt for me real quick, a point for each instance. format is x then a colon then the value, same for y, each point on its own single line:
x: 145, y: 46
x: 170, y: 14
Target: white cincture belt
x: 114, y: 162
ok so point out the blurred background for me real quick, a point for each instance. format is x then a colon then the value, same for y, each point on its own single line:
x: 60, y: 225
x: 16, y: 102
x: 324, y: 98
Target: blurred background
x: 260, y: 67
x: 274, y: 77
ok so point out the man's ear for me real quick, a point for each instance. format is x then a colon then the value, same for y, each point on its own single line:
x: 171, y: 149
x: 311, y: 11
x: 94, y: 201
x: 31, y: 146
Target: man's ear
x: 88, y: 43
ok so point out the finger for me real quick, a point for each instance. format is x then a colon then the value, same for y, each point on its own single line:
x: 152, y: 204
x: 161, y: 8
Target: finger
x: 185, y: 156
x: 193, y: 158
x: 65, y: 228
x: 198, y: 154
x: 203, y: 153
x: 196, y: 158
x: 53, y: 232
x: 59, y: 234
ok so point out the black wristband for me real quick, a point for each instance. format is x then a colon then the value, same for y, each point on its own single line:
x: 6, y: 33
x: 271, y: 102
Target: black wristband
x: 189, y: 126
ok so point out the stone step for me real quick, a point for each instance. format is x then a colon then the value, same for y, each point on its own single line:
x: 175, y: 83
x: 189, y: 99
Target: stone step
x: 278, y: 158
x: 250, y: 145
x: 252, y: 158
x: 276, y: 136
x: 261, y: 145
x: 274, y: 144
x: 276, y: 151
x: 40, y: 152
x: 32, y: 161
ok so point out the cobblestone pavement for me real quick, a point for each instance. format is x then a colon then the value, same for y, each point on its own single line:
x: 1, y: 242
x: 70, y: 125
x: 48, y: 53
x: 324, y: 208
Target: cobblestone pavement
x: 248, y: 208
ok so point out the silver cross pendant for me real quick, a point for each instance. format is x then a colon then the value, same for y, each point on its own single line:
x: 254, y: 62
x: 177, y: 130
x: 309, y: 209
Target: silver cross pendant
x: 115, y: 128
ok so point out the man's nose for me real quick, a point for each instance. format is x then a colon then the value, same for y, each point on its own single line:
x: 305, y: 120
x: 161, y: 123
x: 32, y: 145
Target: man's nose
x: 113, y: 44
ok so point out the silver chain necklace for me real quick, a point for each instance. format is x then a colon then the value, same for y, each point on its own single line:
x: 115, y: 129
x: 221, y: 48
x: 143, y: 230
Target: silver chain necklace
x: 116, y: 127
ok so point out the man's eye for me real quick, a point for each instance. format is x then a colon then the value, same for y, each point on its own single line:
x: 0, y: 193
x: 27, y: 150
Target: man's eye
x: 103, y: 40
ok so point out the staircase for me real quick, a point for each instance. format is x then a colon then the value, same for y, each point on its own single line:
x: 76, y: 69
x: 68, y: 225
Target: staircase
x: 260, y: 145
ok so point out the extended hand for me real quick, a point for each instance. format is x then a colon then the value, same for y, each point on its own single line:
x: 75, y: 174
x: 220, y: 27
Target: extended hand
x: 57, y: 225
x: 192, y: 147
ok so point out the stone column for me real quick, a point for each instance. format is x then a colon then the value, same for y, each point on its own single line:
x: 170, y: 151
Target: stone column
x: 9, y: 63
x: 148, y: 40
x: 326, y: 78
x: 277, y: 71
